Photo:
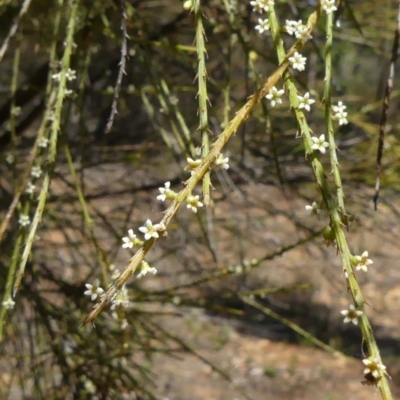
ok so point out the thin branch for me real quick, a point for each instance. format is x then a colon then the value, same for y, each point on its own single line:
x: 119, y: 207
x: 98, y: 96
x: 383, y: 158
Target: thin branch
x: 122, y: 64
x: 385, y: 107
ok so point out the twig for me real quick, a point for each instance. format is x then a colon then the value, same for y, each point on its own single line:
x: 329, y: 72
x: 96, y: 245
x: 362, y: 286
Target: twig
x: 385, y: 107
x: 14, y: 28
x: 122, y: 64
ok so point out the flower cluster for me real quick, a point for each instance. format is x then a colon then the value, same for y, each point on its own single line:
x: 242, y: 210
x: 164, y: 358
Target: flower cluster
x: 340, y: 114
x: 261, y: 6
x: 24, y: 220
x: 297, y: 29
x: 328, y: 6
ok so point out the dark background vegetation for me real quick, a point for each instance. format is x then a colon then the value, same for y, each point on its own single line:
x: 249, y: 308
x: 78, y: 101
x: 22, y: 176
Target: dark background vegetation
x: 188, y: 334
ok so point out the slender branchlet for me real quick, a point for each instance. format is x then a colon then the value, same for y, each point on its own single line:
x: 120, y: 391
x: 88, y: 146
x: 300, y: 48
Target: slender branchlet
x: 54, y: 132
x: 385, y: 108
x: 328, y: 116
x: 204, y: 167
x: 14, y: 27
x: 202, y: 95
x: 335, y: 212
x: 122, y: 65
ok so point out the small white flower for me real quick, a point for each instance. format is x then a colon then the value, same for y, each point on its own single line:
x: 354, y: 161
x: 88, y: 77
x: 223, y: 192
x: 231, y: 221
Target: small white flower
x: 291, y: 26
x: 339, y: 108
x: 263, y: 25
x: 24, y: 220
x: 373, y: 367
x: 363, y: 261
x: 93, y: 290
x: 16, y: 111
x: 166, y: 192
x: 297, y: 29
x: 305, y: 101
x: 119, y: 303
x: 221, y: 162
x: 193, y: 203
x: 43, y: 142
x: 192, y: 165
x: 351, y: 315
x: 328, y: 6
x: 9, y: 304
x: 319, y: 144
x: 130, y: 240
x: 261, y: 6
x: 340, y: 114
x: 115, y: 274
x: 36, y: 172
x: 30, y: 188
x: 150, y: 230
x: 298, y: 61
x: 145, y: 269
x: 70, y: 74
x: 314, y: 209
x: 56, y: 77
x: 274, y: 96
x: 10, y: 158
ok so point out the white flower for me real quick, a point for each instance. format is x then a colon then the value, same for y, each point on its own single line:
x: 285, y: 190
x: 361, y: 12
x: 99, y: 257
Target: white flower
x: 24, y: 220
x: 298, y: 61
x: 43, y: 142
x: 130, y: 240
x: 145, y: 269
x: 314, y: 209
x: 150, y: 230
x: 263, y: 25
x: 30, y: 188
x: 193, y: 203
x: 9, y: 304
x: 373, y: 367
x: 36, y: 172
x: 291, y: 26
x: 166, y: 192
x: 351, y: 315
x: 115, y: 274
x: 192, y: 165
x: 119, y: 303
x: 319, y: 144
x: 16, y: 111
x: 297, y: 29
x: 274, y: 96
x: 261, y: 6
x: 70, y: 74
x: 10, y: 158
x: 221, y: 162
x: 363, y: 261
x: 93, y: 290
x: 305, y: 101
x: 340, y: 114
x: 328, y: 6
